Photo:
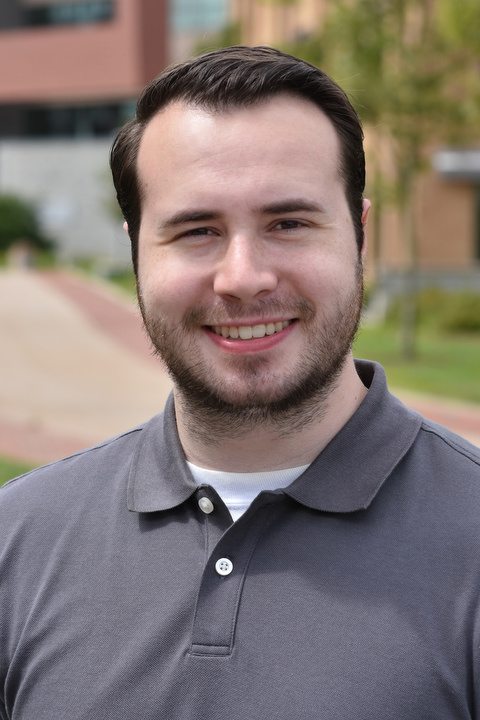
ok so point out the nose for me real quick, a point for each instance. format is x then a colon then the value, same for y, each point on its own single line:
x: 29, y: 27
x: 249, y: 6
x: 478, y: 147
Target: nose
x: 245, y: 271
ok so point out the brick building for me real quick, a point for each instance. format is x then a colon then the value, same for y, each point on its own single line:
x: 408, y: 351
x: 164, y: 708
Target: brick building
x: 71, y: 70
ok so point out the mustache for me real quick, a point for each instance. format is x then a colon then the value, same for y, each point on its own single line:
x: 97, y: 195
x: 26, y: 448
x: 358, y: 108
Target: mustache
x: 262, y: 309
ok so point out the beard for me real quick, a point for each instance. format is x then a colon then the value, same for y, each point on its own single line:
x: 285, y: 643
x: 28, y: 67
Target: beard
x: 250, y: 393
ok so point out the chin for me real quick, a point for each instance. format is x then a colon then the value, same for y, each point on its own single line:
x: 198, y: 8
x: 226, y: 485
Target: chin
x: 242, y: 397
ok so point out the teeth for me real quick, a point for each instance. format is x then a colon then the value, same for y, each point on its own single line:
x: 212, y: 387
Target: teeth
x: 247, y: 332
x: 259, y: 331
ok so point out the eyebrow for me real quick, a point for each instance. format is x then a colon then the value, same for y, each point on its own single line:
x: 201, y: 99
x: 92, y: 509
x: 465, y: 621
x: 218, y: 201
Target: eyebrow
x: 188, y: 216
x: 283, y: 206
x: 290, y: 206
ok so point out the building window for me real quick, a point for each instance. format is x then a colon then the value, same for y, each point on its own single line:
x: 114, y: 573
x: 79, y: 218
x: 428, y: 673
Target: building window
x: 69, y: 13
x: 63, y: 121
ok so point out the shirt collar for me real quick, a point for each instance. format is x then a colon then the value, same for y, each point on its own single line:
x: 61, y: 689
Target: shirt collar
x: 345, y: 476
x: 351, y: 469
x: 159, y: 478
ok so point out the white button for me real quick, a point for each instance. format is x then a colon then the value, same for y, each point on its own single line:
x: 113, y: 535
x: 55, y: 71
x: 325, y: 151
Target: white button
x: 205, y: 505
x: 224, y: 566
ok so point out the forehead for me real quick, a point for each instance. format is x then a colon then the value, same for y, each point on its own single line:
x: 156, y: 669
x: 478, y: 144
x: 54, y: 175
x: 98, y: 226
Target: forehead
x: 285, y: 136
x: 286, y: 119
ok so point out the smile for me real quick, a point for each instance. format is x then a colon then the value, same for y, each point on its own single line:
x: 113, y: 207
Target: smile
x: 247, y: 332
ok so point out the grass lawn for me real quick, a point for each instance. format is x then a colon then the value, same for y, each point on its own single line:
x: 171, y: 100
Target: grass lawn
x: 446, y: 365
x: 11, y: 468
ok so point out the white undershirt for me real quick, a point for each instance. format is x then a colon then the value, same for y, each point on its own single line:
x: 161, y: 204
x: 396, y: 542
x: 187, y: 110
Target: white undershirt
x: 238, y: 490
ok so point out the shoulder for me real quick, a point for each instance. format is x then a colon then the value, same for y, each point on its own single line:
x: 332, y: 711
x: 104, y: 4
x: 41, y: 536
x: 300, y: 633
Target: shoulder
x: 442, y: 474
x: 450, y: 449
x: 71, y: 478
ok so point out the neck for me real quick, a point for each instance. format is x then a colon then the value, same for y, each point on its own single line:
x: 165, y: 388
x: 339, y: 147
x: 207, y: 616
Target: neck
x: 268, y: 445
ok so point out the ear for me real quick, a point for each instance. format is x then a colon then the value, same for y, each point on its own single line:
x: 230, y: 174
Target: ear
x: 366, y: 209
x: 125, y: 226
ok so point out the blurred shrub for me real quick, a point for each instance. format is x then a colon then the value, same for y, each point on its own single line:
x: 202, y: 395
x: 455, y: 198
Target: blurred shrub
x: 462, y: 314
x: 230, y: 34
x: 368, y: 291
x: 125, y: 279
x: 443, y: 311
x: 19, y: 223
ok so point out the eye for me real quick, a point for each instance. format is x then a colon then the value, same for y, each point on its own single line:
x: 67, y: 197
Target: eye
x: 196, y: 236
x: 200, y: 231
x: 289, y: 225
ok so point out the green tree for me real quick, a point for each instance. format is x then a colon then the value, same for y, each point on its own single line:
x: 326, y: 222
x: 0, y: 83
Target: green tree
x: 19, y: 222
x: 412, y: 70
x: 228, y: 35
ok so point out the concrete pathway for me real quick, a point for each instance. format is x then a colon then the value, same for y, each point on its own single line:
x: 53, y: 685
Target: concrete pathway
x: 76, y: 367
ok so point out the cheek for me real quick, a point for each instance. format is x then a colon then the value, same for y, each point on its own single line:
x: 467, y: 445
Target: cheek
x: 327, y: 280
x: 322, y: 276
x: 169, y: 289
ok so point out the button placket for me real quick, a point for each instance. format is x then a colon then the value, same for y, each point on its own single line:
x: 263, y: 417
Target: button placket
x: 213, y: 631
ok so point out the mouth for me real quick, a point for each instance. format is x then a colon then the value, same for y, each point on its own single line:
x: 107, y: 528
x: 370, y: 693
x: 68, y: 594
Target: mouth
x: 249, y: 332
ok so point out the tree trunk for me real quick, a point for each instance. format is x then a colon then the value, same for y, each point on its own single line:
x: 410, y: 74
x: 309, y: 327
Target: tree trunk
x: 409, y: 314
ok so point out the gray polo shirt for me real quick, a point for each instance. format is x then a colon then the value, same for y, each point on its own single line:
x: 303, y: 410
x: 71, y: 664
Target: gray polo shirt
x: 352, y: 594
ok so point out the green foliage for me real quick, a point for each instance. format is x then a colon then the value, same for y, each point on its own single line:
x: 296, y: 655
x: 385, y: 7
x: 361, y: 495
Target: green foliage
x: 442, y: 312
x: 284, y: 3
x: 368, y: 292
x: 11, y: 468
x: 45, y: 259
x: 460, y: 23
x: 19, y: 222
x: 309, y: 48
x: 415, y: 79
x: 124, y: 279
x: 229, y: 35
x: 85, y: 263
x: 405, y: 65
x: 446, y: 366
x: 462, y: 315
x: 410, y: 75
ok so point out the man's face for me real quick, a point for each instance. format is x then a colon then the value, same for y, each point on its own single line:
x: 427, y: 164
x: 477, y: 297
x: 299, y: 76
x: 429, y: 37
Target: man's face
x: 249, y: 275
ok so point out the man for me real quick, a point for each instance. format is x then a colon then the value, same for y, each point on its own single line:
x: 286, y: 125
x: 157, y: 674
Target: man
x: 287, y: 539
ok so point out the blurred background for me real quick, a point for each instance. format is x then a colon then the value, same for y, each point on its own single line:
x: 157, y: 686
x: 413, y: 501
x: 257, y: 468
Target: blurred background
x: 75, y: 365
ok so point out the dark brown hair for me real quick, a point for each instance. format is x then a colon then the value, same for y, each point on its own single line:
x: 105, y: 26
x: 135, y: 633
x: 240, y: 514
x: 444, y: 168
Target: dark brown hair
x: 238, y: 77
